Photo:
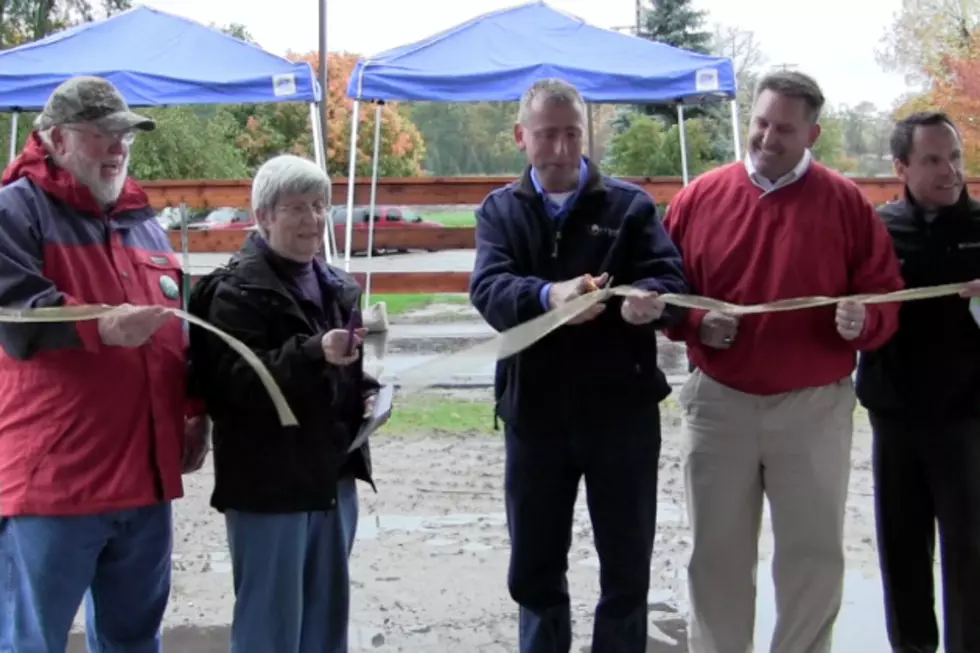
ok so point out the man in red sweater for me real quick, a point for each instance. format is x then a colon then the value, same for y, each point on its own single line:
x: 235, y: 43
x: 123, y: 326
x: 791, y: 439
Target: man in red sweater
x: 769, y: 406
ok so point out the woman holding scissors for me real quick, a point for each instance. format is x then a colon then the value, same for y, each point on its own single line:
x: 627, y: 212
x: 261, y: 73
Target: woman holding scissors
x: 288, y: 494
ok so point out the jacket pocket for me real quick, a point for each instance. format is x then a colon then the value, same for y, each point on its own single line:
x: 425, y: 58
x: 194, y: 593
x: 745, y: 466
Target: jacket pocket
x: 162, y: 278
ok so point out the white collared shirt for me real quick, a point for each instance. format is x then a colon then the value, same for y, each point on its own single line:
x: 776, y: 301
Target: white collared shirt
x: 793, y: 175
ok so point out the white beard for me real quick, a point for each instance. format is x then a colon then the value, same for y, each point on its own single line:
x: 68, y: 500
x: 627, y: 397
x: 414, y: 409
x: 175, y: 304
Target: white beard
x: 88, y: 172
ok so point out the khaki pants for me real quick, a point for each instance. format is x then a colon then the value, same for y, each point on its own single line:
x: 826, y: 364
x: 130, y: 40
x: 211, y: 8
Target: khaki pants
x: 795, y: 448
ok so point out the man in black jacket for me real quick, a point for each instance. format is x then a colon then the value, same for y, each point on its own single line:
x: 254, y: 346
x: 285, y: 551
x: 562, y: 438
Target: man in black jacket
x: 922, y: 391
x: 584, y: 401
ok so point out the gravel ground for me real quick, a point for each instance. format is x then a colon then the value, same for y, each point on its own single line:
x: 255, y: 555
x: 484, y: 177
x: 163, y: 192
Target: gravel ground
x: 429, y: 569
x: 430, y: 561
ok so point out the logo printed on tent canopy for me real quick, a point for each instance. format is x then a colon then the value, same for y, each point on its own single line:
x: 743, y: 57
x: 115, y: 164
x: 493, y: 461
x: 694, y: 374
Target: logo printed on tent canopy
x: 706, y: 79
x: 283, y: 85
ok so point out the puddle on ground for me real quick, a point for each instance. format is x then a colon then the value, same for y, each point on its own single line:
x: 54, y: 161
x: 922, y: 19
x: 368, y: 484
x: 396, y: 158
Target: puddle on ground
x: 406, y: 353
x: 395, y: 364
x: 370, y: 527
x: 860, y: 626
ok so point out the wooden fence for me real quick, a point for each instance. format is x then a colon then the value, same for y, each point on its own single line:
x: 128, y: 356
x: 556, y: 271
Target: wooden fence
x: 432, y: 239
x: 407, y: 283
x: 405, y: 192
x: 430, y: 191
x: 399, y: 238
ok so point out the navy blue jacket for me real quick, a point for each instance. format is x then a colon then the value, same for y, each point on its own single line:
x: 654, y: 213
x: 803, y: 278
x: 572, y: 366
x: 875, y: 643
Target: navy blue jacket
x: 579, y: 373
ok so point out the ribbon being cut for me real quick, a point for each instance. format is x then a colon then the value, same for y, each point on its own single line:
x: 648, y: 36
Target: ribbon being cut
x: 521, y: 337
x: 502, y: 346
x: 95, y: 312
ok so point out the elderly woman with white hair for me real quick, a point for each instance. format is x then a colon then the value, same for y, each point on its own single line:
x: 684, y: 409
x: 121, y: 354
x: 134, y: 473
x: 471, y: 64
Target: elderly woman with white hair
x: 287, y: 493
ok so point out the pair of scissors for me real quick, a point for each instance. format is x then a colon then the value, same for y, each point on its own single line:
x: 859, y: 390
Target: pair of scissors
x: 594, y: 286
x: 353, y: 324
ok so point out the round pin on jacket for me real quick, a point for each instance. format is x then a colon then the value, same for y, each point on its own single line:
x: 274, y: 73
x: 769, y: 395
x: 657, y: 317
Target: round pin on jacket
x: 169, y: 287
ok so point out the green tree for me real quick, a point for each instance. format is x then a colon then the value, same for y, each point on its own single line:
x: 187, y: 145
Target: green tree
x: 22, y: 21
x: 648, y: 148
x: 189, y: 143
x: 866, y: 131
x: 473, y: 138
x: 25, y: 125
x: 924, y: 33
x: 676, y: 23
x: 237, y: 30
x: 28, y: 20
x: 265, y: 130
x: 829, y: 148
x: 743, y: 48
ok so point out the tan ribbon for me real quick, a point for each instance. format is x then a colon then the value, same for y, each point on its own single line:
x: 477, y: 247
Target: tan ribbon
x: 508, y: 343
x: 94, y: 312
x: 502, y: 346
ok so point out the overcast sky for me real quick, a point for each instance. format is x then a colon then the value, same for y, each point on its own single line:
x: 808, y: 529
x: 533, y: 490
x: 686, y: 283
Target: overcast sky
x: 834, y: 40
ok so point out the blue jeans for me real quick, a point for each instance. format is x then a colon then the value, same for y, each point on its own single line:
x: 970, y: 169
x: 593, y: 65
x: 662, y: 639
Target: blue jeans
x: 292, y: 587
x: 119, y: 562
x: 542, y: 472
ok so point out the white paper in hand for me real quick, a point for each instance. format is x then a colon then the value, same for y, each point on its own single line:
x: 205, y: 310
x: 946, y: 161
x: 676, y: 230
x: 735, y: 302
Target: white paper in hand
x: 378, y: 417
x: 975, y: 309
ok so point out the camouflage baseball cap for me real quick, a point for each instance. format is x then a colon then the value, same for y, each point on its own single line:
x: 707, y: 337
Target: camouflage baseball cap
x: 91, y: 100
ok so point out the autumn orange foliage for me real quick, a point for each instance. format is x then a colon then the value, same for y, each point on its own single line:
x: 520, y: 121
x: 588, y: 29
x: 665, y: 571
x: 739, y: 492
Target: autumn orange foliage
x: 286, y: 127
x: 956, y: 90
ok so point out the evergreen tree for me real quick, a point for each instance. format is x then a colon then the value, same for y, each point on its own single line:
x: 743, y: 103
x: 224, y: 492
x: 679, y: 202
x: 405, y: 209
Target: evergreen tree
x: 676, y: 23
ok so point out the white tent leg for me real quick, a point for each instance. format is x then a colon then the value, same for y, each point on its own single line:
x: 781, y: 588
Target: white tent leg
x: 352, y: 172
x: 319, y: 155
x: 591, y: 129
x: 736, y: 136
x: 185, y: 256
x: 13, y: 134
x: 683, y: 133
x: 374, y: 198
x: 330, y: 239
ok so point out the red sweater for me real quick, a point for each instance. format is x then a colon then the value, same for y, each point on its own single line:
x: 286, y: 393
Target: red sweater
x: 816, y: 236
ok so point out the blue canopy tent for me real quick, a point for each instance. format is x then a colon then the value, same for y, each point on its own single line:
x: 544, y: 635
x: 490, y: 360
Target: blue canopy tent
x: 156, y: 59
x: 497, y: 56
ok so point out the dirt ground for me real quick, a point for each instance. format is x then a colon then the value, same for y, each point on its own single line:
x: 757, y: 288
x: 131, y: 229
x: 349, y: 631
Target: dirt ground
x: 429, y: 569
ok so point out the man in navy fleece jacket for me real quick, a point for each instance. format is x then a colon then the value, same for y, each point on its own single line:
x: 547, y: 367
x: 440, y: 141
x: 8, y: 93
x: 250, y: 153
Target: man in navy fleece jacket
x: 583, y: 401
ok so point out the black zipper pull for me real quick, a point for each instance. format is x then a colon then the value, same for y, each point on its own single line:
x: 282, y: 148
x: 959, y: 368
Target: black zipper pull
x: 554, y: 252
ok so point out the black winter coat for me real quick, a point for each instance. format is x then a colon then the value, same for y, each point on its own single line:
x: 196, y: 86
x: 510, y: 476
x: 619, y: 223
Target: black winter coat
x: 261, y: 466
x: 931, y: 367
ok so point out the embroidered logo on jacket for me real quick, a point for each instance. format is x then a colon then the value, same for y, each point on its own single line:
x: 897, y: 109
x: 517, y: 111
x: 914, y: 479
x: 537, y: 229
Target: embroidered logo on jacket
x: 608, y: 232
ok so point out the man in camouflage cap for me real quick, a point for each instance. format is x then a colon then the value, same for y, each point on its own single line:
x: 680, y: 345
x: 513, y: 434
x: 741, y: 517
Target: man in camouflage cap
x: 96, y: 427
x: 92, y: 107
x: 93, y: 100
